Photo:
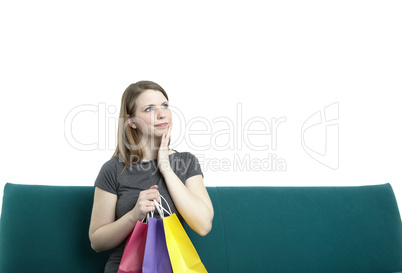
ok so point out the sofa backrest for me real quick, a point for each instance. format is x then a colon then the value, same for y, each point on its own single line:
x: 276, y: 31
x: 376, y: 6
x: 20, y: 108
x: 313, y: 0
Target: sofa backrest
x: 44, y: 229
x: 303, y: 229
x: 255, y: 229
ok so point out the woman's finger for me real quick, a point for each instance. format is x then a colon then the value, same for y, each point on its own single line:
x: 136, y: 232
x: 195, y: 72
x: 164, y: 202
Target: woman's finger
x: 165, y: 141
x: 151, y: 194
x: 169, y: 131
x: 166, y: 136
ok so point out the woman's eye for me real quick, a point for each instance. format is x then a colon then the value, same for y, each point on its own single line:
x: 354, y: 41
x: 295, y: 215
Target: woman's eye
x: 164, y: 106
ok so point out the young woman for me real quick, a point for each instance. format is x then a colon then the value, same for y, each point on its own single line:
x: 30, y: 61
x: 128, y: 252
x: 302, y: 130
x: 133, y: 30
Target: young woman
x: 142, y: 166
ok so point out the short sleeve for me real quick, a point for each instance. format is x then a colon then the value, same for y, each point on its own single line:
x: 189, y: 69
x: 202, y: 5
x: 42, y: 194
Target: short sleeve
x: 194, y: 167
x: 107, y: 178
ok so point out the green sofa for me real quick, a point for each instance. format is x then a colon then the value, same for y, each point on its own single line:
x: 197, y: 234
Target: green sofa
x: 255, y: 229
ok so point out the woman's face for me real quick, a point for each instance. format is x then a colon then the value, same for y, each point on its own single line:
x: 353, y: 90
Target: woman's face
x: 152, y: 116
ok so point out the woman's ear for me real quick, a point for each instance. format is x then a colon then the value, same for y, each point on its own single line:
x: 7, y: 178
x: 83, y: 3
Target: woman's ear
x: 131, y: 123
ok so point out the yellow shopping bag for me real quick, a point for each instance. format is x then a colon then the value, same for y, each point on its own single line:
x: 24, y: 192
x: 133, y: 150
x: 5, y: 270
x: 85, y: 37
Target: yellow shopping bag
x: 183, y: 256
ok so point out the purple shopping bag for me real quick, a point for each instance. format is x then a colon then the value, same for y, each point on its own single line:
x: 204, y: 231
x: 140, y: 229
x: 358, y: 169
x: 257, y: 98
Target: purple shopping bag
x: 156, y: 256
x: 133, y: 254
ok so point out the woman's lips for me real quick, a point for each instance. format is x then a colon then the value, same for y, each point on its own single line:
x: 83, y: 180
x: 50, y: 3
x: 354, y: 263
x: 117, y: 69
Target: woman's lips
x: 162, y: 124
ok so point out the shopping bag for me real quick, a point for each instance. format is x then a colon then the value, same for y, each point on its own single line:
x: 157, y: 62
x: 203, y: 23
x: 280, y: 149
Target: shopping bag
x: 183, y: 256
x: 133, y: 254
x: 156, y: 256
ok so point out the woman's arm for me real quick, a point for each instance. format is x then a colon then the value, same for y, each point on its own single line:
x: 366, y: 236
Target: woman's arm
x: 191, y: 199
x: 104, y: 231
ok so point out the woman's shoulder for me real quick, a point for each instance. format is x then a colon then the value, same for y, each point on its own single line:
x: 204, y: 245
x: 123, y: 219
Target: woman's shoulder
x: 112, y: 164
x: 185, y: 158
x: 186, y: 165
x: 107, y: 177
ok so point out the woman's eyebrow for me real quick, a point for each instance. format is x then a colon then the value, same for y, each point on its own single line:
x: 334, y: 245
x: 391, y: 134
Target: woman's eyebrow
x: 148, y: 105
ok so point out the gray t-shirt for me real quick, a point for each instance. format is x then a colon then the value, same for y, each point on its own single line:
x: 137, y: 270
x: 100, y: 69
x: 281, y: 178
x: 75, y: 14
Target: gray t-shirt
x: 127, y: 186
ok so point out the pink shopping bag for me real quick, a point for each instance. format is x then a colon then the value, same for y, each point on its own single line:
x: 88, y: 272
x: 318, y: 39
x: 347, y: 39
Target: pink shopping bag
x: 133, y: 254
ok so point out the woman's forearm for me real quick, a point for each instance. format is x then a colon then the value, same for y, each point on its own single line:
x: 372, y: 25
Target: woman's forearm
x: 113, y: 234
x: 196, y: 212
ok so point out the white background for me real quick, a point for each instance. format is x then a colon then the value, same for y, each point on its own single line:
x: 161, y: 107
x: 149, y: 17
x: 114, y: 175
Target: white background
x: 65, y: 64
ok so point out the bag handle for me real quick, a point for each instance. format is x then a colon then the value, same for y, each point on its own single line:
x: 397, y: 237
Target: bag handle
x: 160, y: 207
x: 146, y: 218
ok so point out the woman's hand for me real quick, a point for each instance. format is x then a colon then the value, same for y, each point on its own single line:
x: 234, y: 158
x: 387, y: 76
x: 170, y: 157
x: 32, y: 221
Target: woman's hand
x: 145, y: 202
x: 163, y: 154
x: 105, y: 232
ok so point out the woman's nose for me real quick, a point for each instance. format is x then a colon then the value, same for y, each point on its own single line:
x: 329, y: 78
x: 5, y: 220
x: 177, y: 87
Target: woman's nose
x: 161, y: 113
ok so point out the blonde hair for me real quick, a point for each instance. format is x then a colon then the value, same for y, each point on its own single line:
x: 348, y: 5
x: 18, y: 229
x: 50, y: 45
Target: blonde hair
x: 128, y: 140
